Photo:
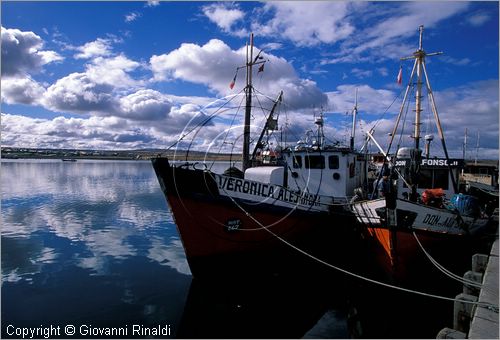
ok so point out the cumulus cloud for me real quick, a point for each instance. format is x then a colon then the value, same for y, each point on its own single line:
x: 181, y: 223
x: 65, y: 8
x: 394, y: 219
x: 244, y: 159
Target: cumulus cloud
x: 225, y: 16
x: 112, y: 71
x: 145, y: 105
x: 21, y: 91
x: 97, y: 48
x: 214, y: 64
x: 22, y: 53
x: 93, y: 90
x: 78, y: 93
x: 90, y: 133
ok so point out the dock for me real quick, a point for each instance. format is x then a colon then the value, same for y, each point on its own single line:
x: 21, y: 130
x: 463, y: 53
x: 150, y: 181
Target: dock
x: 476, y: 309
x: 484, y: 323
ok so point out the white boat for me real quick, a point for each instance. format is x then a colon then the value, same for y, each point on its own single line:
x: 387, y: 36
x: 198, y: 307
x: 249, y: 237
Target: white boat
x: 420, y: 198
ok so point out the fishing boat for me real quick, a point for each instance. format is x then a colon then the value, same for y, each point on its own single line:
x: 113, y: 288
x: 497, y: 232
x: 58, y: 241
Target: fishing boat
x: 280, y: 193
x: 419, y: 204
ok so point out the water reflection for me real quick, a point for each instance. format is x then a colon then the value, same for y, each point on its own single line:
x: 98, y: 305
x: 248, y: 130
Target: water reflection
x: 94, y: 236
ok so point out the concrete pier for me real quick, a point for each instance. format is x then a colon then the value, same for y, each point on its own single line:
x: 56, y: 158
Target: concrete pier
x: 475, y: 321
x: 484, y: 323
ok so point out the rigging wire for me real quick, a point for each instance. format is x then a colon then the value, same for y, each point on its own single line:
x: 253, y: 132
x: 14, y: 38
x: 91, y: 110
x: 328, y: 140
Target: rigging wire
x: 202, y: 123
x: 404, y: 123
x: 227, y: 133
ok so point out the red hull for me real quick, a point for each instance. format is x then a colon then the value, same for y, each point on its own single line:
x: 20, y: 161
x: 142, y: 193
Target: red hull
x: 217, y: 229
x: 203, y: 227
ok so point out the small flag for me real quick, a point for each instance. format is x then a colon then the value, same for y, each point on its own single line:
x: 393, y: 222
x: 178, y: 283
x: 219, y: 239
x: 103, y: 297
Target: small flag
x: 261, y: 68
x: 231, y: 85
x: 400, y: 75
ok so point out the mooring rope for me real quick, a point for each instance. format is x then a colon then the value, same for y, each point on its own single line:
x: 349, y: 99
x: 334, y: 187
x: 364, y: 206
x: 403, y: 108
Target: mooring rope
x: 444, y: 270
x: 384, y: 284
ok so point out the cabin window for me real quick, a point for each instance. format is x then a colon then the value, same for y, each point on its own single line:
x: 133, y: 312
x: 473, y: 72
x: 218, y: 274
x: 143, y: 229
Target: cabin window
x: 433, y: 178
x: 315, y: 162
x: 333, y: 162
x: 297, y: 162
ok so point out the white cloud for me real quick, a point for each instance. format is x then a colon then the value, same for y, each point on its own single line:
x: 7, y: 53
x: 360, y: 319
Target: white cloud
x: 97, y: 48
x: 386, y: 37
x: 78, y: 93
x: 145, y: 105
x: 132, y: 16
x: 93, y: 90
x: 307, y: 23
x: 152, y: 3
x: 360, y: 74
x: 225, y: 16
x: 371, y: 101
x: 454, y: 61
x: 214, y: 64
x: 113, y: 71
x: 22, y: 53
x: 478, y: 19
x: 21, y: 91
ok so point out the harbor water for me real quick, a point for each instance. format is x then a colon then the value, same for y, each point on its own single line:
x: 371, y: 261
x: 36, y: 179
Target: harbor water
x: 92, y: 244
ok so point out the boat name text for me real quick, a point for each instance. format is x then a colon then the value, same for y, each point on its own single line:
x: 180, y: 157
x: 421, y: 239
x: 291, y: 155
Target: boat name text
x: 435, y: 220
x: 266, y: 190
x: 435, y: 162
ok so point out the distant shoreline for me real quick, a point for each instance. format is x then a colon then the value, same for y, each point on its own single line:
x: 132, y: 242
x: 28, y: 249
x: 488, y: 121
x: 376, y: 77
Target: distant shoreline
x: 30, y: 153
x: 178, y: 155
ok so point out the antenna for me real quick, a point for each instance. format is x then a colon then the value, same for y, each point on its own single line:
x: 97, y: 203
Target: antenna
x: 354, y: 113
x: 464, y: 150
x: 477, y: 148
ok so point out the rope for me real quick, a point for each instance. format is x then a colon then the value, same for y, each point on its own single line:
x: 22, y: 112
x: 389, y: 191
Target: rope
x: 478, y: 303
x: 444, y: 270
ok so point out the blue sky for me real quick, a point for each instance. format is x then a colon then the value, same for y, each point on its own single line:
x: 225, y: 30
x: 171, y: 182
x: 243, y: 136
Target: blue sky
x: 131, y: 75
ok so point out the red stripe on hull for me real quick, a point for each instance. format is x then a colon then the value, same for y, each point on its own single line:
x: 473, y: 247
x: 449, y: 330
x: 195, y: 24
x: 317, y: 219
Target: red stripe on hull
x: 202, y: 225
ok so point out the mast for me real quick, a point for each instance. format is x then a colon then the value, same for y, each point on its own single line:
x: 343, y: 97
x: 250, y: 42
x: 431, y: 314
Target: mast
x: 250, y: 62
x: 354, y: 113
x: 419, y: 67
x: 420, y: 55
x: 248, y: 107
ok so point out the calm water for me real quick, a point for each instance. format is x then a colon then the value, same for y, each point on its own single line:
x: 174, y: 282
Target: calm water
x: 88, y: 242
x: 93, y: 244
